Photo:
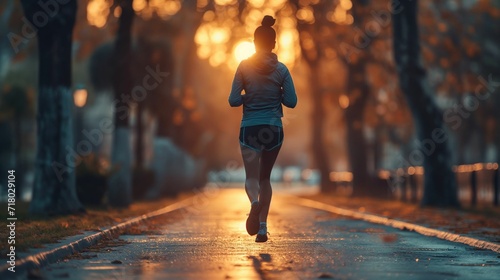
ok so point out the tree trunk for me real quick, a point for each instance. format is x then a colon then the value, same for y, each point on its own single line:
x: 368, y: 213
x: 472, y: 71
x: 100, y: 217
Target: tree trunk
x: 318, y: 116
x: 497, y: 136
x: 164, y: 105
x: 19, y: 164
x: 120, y: 182
x: 354, y: 117
x: 7, y: 51
x: 139, y: 137
x: 185, y: 134
x: 162, y: 146
x: 54, y: 187
x: 358, y: 91
x: 313, y: 56
x: 440, y: 186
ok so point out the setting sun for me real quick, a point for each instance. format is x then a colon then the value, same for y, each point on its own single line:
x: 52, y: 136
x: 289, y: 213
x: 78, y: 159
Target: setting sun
x: 243, y: 50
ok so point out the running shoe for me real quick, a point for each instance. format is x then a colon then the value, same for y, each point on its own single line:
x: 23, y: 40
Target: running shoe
x: 262, y: 234
x: 253, y: 219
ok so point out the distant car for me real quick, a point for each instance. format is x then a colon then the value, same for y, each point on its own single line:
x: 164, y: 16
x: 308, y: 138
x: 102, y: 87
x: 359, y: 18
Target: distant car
x: 291, y: 174
x: 310, y: 176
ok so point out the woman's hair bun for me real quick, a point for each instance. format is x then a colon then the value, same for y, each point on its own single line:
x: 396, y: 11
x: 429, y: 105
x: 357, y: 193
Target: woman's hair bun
x: 268, y: 21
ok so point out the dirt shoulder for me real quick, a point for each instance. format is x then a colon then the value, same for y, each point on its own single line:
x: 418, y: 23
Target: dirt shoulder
x: 36, y: 232
x: 480, y: 223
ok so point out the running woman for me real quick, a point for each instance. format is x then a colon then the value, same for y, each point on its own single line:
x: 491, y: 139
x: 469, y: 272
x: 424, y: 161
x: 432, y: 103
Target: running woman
x: 267, y: 84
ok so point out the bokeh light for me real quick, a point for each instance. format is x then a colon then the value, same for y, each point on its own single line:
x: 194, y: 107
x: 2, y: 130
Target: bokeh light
x: 243, y: 50
x: 98, y: 12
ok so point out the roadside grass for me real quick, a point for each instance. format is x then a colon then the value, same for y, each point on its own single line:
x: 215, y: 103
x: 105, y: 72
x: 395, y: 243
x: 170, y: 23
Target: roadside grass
x: 34, y: 232
x: 482, y: 222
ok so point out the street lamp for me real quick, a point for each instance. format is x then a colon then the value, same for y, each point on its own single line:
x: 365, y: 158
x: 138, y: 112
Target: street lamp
x: 344, y: 101
x: 80, y: 97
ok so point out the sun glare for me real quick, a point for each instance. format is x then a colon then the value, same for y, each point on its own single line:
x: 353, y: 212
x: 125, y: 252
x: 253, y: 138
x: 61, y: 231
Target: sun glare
x: 224, y: 38
x: 243, y: 50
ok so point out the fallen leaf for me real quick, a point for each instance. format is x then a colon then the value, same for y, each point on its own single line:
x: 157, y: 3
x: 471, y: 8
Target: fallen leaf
x: 389, y: 238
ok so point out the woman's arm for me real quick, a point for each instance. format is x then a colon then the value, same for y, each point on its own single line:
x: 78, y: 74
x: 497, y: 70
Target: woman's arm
x: 289, y: 95
x: 235, y: 98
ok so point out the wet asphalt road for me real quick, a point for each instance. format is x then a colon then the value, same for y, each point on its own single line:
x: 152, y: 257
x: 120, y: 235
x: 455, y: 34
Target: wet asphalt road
x: 209, y: 241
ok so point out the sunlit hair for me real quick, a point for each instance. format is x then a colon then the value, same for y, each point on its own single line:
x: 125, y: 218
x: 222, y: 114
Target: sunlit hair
x: 265, y: 36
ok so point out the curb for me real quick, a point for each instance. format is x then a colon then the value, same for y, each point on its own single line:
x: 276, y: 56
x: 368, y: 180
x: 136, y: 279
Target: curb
x: 44, y: 258
x: 453, y: 237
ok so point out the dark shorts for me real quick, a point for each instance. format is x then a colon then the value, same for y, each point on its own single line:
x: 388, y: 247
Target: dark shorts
x: 261, y: 137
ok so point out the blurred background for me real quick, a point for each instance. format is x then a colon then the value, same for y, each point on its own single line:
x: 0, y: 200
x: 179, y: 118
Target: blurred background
x: 168, y: 110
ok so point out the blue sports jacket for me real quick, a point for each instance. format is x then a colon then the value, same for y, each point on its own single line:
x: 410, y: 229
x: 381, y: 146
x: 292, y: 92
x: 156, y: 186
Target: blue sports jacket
x: 267, y: 84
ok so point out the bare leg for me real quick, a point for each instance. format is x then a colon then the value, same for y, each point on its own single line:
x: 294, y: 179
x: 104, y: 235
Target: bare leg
x: 268, y: 159
x: 251, y: 161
